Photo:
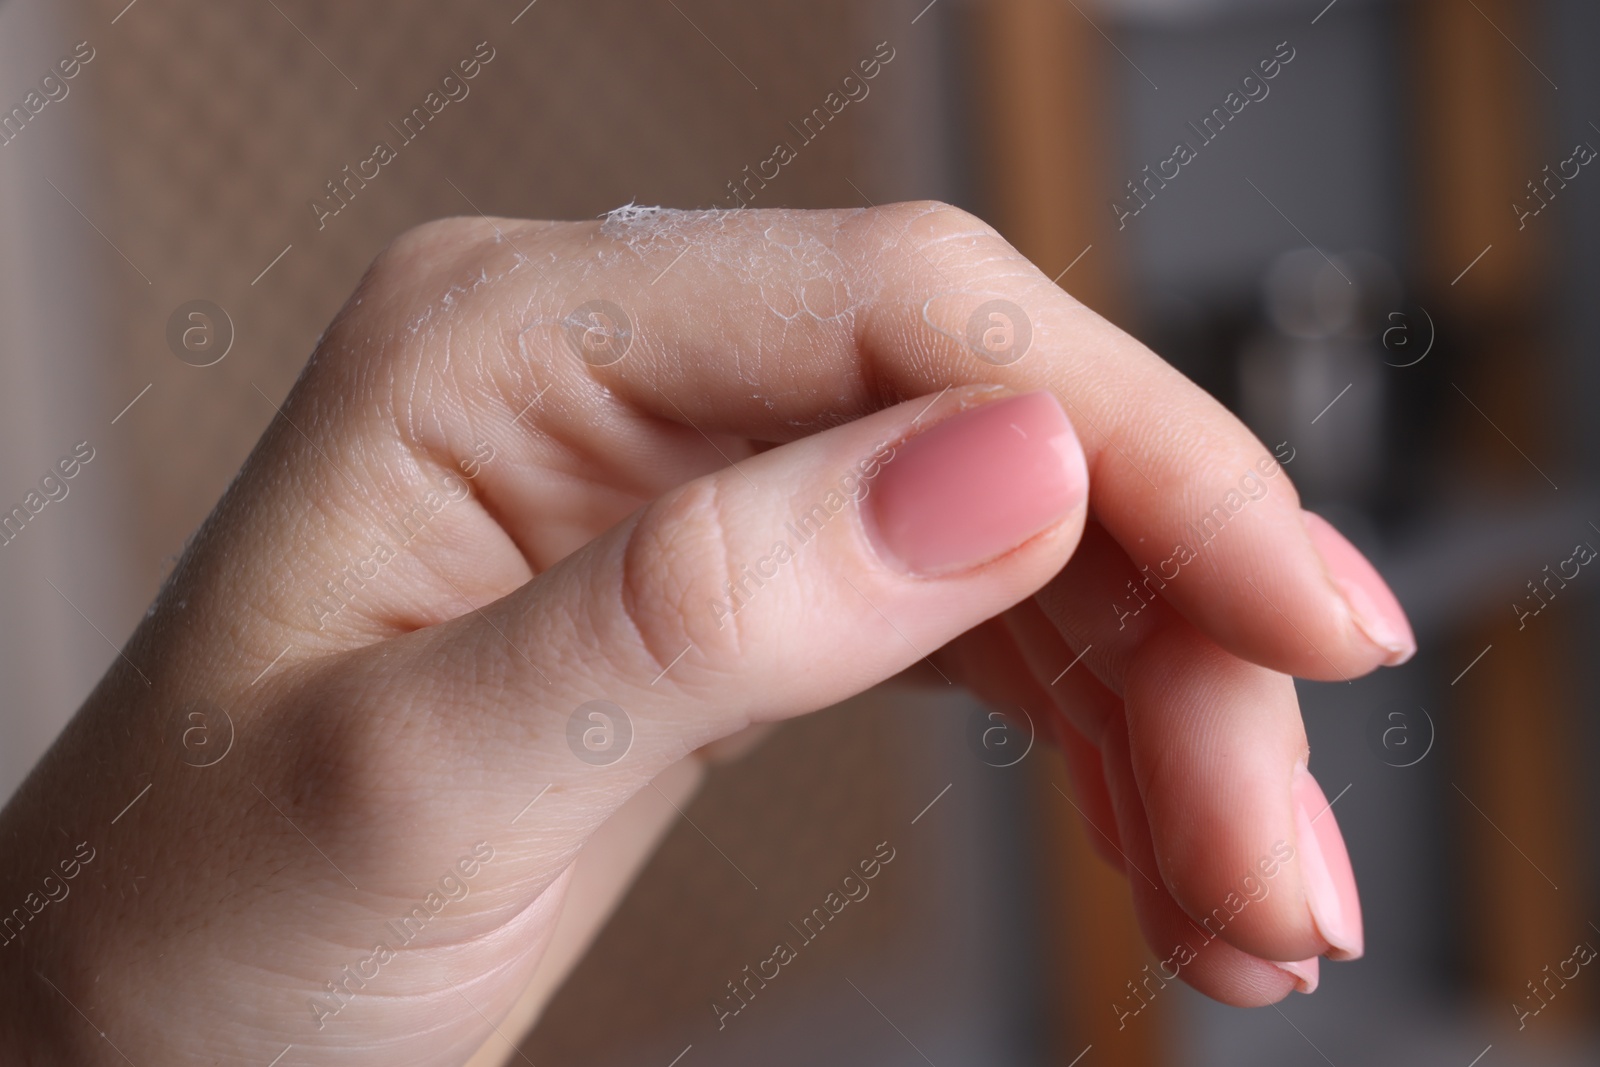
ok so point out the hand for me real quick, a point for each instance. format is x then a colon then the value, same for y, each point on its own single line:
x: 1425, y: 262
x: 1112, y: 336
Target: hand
x: 768, y: 472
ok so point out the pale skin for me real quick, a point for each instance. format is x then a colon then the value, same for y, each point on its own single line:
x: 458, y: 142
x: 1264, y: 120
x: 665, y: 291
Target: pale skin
x: 403, y: 730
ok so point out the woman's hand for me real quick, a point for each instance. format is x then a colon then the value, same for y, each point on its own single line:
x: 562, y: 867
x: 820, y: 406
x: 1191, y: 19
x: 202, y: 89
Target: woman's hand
x: 555, y: 505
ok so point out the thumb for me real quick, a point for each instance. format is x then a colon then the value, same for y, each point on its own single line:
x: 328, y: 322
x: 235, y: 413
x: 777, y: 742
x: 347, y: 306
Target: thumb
x: 783, y: 584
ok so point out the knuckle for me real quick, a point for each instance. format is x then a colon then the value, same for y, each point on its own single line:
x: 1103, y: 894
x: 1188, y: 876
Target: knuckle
x: 935, y: 220
x: 448, y: 265
x: 412, y: 260
x: 399, y: 288
x: 907, y: 211
x: 437, y: 314
x: 674, y: 570
x: 931, y: 231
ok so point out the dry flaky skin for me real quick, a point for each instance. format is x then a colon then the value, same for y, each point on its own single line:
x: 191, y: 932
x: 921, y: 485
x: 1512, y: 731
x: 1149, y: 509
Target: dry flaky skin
x: 458, y: 534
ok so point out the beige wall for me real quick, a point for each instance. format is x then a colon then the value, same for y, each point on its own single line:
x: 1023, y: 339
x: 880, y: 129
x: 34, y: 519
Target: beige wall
x: 60, y: 384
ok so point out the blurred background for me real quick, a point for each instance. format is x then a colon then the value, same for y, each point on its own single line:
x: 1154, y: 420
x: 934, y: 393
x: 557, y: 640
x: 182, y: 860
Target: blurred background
x: 1382, y: 256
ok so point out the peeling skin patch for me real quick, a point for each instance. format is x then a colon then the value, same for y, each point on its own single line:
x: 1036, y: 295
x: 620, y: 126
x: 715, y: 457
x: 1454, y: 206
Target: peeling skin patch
x: 822, y: 288
x: 806, y: 277
x: 629, y: 214
x: 773, y: 258
x: 642, y: 227
x: 794, y: 268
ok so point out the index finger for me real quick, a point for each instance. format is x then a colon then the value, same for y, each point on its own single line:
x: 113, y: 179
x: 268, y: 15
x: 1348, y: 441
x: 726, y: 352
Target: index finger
x: 772, y: 324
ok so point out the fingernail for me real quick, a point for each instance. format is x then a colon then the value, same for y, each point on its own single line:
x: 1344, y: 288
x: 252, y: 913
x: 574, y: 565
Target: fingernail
x: 1330, y: 884
x: 1376, y: 611
x: 977, y: 485
x: 1306, y: 973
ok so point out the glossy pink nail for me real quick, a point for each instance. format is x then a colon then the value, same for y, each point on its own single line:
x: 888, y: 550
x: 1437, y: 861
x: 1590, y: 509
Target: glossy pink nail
x: 1373, y: 607
x: 977, y: 485
x: 1330, y: 884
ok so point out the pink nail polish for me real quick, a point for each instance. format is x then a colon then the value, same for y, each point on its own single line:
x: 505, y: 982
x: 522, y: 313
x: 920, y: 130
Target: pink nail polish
x: 977, y: 485
x: 1307, y: 974
x: 1373, y: 607
x: 1330, y: 884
